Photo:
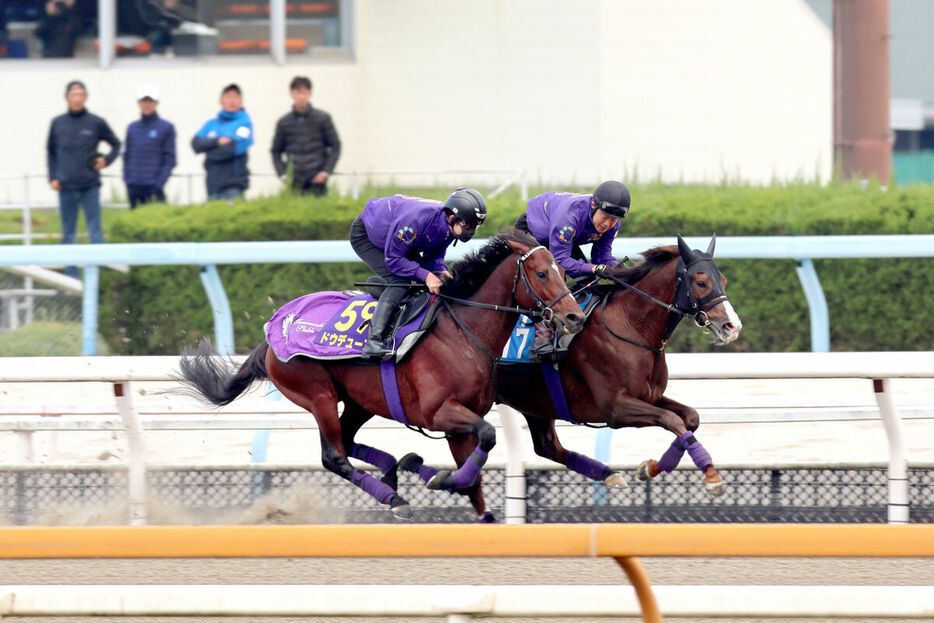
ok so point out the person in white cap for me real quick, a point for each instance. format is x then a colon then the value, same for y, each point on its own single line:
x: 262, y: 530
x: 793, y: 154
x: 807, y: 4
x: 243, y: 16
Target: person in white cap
x: 149, y: 155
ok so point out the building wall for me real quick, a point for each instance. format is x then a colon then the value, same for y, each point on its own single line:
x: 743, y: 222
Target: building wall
x: 697, y: 91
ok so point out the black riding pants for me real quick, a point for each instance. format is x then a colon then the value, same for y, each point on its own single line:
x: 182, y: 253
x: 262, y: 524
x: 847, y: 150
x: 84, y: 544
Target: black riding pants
x: 522, y: 224
x: 374, y: 257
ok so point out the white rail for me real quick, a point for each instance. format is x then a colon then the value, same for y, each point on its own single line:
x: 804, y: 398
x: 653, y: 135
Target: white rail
x: 462, y: 603
x: 878, y: 368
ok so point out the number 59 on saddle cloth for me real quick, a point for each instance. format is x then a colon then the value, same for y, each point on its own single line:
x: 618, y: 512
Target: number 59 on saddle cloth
x: 332, y: 325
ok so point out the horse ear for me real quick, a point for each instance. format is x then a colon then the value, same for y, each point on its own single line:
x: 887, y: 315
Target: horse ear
x: 518, y: 247
x: 712, y: 245
x: 684, y: 250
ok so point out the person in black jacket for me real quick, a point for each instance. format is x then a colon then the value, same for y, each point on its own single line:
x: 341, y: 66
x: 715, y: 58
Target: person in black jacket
x: 307, y: 135
x: 75, y: 164
x: 58, y: 29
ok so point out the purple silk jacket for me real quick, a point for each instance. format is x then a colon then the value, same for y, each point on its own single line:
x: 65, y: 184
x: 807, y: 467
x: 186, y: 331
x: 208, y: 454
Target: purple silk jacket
x: 404, y: 227
x: 562, y: 220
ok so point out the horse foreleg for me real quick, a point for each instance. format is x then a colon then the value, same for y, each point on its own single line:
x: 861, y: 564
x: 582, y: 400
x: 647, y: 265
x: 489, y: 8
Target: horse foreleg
x: 462, y: 447
x: 546, y: 444
x: 352, y: 419
x: 454, y: 418
x: 686, y: 440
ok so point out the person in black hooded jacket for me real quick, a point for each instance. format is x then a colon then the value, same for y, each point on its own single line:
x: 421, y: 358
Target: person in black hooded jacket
x: 308, y: 138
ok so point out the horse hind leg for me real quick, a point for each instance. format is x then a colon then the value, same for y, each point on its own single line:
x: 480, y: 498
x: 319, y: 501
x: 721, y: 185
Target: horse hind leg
x: 310, y: 387
x: 352, y: 419
x: 547, y: 445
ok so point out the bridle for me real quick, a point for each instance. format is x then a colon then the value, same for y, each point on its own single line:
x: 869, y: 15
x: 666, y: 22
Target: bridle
x: 684, y: 302
x: 545, y: 309
x: 542, y: 311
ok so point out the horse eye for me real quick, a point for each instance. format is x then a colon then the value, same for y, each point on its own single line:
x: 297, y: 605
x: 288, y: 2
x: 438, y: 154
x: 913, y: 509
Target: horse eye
x: 701, y: 284
x: 540, y: 274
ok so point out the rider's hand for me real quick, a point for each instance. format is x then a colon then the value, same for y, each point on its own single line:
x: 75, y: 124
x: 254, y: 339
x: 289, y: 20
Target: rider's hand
x: 433, y: 283
x: 601, y: 270
x: 446, y: 274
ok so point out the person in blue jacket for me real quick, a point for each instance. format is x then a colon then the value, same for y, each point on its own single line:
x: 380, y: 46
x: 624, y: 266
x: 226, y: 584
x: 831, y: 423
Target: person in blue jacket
x: 224, y: 140
x: 149, y: 151
x: 402, y: 238
x: 563, y: 222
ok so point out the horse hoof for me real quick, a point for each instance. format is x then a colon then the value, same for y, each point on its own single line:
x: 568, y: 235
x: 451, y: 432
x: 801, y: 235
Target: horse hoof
x: 642, y: 472
x: 400, y: 509
x: 487, y: 517
x: 615, y: 481
x: 442, y: 480
x: 715, y: 489
x: 410, y: 462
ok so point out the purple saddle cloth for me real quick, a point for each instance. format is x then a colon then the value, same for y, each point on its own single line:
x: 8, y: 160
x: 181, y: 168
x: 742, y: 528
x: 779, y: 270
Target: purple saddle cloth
x: 331, y: 325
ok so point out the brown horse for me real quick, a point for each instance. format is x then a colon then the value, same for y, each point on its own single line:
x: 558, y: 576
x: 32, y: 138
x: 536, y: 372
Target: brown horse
x: 445, y: 382
x: 616, y: 372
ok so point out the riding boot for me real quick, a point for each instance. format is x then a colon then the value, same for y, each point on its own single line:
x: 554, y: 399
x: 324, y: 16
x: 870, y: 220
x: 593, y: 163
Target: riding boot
x: 544, y: 345
x: 379, y: 344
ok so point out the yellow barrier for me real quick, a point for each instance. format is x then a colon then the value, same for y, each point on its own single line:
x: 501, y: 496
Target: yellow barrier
x: 623, y: 542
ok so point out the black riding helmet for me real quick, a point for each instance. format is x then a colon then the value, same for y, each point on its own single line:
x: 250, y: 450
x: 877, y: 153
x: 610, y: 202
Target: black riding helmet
x: 467, y: 206
x: 612, y: 197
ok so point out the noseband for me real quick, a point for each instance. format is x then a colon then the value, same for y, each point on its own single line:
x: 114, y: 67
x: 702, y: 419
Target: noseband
x: 544, y: 310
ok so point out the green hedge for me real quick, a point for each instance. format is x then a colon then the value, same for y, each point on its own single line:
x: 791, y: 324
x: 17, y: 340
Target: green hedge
x: 874, y: 304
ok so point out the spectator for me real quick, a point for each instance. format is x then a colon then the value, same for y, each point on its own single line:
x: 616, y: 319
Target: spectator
x: 149, y: 155
x: 75, y: 164
x: 58, y: 29
x: 224, y: 140
x: 307, y: 135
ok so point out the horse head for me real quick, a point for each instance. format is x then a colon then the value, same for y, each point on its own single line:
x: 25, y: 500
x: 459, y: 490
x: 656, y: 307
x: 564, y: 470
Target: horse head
x: 545, y: 289
x: 700, y: 292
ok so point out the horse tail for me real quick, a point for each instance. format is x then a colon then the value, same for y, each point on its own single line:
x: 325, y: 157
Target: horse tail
x: 217, y: 380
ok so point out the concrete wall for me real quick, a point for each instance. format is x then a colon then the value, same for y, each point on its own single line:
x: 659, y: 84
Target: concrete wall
x: 693, y: 91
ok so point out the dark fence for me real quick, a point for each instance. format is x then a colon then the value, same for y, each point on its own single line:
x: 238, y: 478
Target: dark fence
x: 278, y: 495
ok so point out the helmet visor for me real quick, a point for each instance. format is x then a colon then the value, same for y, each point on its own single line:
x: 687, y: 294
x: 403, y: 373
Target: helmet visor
x: 616, y: 211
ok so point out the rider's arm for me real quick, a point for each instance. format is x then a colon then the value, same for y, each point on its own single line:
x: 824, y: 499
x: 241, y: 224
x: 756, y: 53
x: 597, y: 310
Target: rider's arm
x: 561, y: 243
x: 433, y: 259
x: 399, y: 241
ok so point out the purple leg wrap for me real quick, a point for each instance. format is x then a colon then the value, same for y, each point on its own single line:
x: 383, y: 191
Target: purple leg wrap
x: 379, y: 490
x: 426, y: 472
x: 586, y: 466
x: 374, y: 457
x: 467, y: 473
x: 672, y: 456
x: 698, y: 453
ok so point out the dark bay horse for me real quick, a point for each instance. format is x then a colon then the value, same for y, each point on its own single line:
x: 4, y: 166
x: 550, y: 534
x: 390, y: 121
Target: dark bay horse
x: 616, y: 372
x: 445, y: 382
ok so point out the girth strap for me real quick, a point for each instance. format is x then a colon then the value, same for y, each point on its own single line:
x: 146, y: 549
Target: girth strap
x: 387, y: 373
x: 556, y: 391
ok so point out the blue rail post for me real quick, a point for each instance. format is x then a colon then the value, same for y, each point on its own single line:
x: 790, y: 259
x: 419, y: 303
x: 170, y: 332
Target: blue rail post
x: 817, y: 303
x: 89, y: 298
x: 220, y: 308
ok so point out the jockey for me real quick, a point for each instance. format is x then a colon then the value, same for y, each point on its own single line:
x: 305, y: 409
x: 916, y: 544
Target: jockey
x: 562, y: 222
x: 403, y: 238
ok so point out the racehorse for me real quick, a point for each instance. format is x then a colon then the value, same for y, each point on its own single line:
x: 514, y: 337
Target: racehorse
x: 445, y: 382
x: 616, y: 372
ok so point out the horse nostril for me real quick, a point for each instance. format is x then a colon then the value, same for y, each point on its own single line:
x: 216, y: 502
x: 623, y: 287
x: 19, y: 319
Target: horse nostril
x: 575, y: 318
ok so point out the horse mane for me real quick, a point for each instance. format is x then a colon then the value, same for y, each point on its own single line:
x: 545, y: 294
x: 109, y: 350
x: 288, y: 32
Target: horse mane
x: 651, y: 259
x: 471, y: 272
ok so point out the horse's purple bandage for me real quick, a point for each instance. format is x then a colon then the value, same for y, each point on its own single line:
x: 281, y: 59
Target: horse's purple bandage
x: 467, y: 473
x: 379, y: 490
x: 672, y: 456
x: 427, y: 472
x: 382, y: 460
x: 586, y: 466
x: 698, y: 453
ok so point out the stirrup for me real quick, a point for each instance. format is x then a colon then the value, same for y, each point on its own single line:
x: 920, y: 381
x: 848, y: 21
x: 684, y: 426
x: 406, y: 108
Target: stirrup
x: 377, y: 350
